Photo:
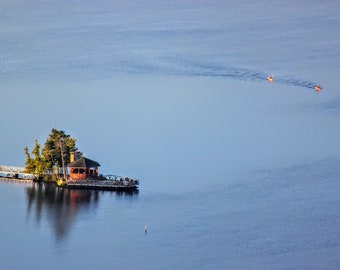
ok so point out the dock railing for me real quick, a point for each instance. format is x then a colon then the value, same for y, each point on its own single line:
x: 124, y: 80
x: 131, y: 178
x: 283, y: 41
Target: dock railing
x: 12, y: 169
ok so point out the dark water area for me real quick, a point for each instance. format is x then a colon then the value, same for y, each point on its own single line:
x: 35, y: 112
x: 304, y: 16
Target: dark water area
x: 280, y: 219
x: 61, y: 206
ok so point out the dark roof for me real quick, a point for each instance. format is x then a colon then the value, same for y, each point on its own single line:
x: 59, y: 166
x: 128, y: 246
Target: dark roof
x: 84, y: 163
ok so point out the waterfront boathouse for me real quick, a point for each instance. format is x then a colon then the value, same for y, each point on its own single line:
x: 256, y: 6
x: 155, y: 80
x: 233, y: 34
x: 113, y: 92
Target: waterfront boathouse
x: 83, y: 168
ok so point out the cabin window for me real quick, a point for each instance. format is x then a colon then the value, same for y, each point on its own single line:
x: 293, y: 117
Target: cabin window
x: 75, y: 171
x: 81, y: 171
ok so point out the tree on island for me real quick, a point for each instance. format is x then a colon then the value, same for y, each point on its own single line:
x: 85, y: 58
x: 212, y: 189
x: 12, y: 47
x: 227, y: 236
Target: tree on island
x: 34, y: 165
x: 47, y: 163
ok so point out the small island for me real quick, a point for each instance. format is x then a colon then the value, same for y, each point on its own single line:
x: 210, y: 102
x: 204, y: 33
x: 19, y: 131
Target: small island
x: 61, y: 163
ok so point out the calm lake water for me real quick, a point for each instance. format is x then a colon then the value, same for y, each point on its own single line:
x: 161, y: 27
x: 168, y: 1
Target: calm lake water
x: 235, y: 172
x: 283, y: 219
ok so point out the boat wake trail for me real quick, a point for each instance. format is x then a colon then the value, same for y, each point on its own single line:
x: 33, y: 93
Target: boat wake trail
x: 241, y: 74
x: 295, y: 82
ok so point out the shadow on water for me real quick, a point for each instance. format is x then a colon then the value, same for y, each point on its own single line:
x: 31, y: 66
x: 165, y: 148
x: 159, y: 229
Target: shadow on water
x: 61, y: 206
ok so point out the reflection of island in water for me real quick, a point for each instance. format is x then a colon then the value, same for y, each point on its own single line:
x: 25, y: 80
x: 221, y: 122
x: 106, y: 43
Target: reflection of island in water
x: 60, y: 205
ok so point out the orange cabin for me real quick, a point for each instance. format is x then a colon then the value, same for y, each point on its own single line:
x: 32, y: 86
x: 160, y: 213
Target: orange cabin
x: 83, y: 169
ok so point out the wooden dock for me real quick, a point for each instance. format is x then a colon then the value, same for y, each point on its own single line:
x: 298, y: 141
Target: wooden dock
x: 16, y: 173
x: 110, y: 182
x: 114, y: 185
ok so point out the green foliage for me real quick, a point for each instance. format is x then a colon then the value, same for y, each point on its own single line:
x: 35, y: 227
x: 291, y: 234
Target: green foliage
x: 34, y: 164
x: 56, y: 143
x: 37, y: 160
x: 49, y: 158
x: 29, y: 167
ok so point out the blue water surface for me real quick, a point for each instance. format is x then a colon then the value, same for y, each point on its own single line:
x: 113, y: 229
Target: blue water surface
x: 236, y: 172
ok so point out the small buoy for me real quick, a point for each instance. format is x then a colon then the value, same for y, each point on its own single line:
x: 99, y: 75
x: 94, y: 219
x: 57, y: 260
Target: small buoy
x: 145, y: 229
x: 317, y: 88
x: 270, y: 78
